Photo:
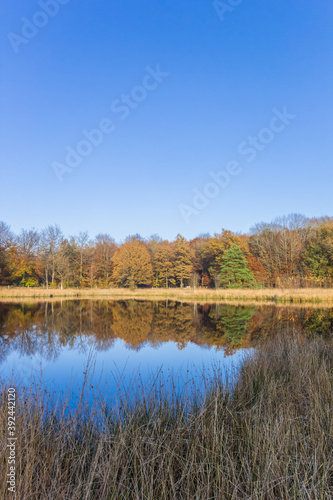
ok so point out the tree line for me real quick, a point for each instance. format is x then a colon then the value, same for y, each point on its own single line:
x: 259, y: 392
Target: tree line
x: 292, y: 251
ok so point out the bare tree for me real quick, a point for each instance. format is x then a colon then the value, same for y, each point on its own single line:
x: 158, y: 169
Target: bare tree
x: 51, y: 238
x: 6, y: 240
x: 63, y: 263
x: 104, y: 250
x: 81, y: 244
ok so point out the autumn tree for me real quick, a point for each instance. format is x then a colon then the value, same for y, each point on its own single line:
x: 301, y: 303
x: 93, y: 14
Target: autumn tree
x: 164, y: 264
x: 24, y: 263
x: 184, y: 257
x: 153, y: 244
x: 132, y: 265
x: 318, y: 256
x: 202, y: 259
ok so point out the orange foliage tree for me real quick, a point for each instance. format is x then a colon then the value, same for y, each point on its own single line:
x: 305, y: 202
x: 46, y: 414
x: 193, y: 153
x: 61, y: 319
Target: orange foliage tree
x: 132, y: 265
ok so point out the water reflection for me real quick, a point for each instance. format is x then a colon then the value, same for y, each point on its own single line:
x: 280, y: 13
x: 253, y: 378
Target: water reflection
x: 45, y: 328
x: 132, y: 340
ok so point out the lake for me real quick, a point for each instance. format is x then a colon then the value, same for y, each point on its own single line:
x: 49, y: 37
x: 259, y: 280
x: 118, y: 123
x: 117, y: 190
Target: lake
x: 121, y: 343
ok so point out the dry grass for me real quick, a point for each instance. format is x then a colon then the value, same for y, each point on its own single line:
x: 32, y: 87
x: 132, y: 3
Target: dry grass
x: 269, y: 295
x: 270, y: 437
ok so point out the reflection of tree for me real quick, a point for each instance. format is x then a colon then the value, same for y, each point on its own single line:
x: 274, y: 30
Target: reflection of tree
x: 173, y: 321
x: 132, y: 321
x: 233, y: 325
x: 320, y: 322
x: 270, y: 321
x: 20, y: 331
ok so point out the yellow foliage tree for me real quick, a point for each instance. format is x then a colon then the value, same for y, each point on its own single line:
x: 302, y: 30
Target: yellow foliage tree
x: 132, y: 265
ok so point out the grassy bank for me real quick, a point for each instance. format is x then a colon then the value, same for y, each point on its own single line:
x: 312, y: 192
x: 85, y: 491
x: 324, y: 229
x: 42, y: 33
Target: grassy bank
x: 272, y: 295
x: 270, y: 438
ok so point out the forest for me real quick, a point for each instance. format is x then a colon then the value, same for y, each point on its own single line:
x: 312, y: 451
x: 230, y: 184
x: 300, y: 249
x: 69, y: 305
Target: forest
x: 292, y: 251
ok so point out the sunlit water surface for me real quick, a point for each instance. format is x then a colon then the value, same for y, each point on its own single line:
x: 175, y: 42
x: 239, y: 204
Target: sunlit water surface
x: 123, y: 344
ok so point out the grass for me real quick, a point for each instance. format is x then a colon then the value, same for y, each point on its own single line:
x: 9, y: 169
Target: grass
x: 268, y: 295
x: 269, y: 435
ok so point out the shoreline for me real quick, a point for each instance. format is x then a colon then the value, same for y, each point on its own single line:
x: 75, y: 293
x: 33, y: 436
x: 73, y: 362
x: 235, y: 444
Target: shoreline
x: 265, y: 296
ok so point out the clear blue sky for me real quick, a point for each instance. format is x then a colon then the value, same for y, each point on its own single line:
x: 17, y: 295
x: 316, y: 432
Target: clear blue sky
x: 225, y: 78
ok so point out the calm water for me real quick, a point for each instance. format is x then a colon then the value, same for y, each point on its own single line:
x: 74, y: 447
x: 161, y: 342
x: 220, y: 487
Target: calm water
x: 131, y: 340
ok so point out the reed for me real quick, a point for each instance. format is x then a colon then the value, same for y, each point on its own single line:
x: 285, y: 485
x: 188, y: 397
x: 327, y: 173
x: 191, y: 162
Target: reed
x: 269, y: 295
x: 266, y: 434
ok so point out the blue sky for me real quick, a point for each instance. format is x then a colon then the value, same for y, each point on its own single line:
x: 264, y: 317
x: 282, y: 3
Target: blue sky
x: 222, y: 79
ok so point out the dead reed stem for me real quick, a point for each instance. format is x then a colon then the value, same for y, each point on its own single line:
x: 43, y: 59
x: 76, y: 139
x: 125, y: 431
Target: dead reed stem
x: 267, y: 434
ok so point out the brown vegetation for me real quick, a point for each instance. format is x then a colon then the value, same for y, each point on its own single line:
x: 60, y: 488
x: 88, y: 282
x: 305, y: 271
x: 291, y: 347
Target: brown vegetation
x: 268, y: 436
x: 268, y: 295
